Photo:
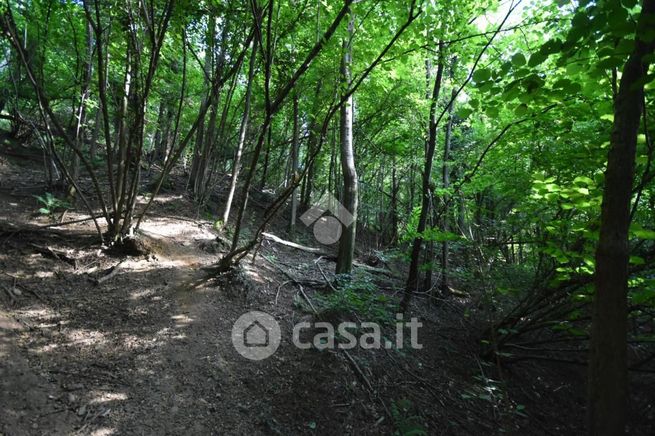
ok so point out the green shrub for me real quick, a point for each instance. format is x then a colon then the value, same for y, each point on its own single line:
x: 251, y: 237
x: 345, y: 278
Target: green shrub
x: 50, y: 204
x: 358, y: 295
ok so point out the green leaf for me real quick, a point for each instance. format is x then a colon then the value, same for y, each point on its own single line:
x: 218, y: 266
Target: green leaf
x: 521, y: 109
x: 464, y: 112
x: 581, y: 180
x: 481, y: 75
x: 518, y: 60
x: 492, y: 111
x: 645, y: 234
x: 537, y: 59
x: 572, y: 88
x: 580, y: 190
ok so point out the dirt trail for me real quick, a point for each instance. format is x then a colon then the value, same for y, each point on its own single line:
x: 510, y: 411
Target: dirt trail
x: 187, y: 384
x: 149, y: 350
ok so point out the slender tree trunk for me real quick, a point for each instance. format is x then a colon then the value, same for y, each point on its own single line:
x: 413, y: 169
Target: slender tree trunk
x: 200, y: 185
x: 445, y: 181
x: 122, y: 142
x: 608, y: 378
x: 332, y: 170
x: 221, y: 159
x: 81, y: 112
x: 159, y: 131
x: 312, y: 142
x: 201, y: 143
x: 236, y: 167
x: 262, y: 182
x: 413, y: 276
x: 428, y: 255
x: 394, y: 203
x: 295, y: 145
x: 350, y: 182
x: 93, y: 146
x: 412, y: 186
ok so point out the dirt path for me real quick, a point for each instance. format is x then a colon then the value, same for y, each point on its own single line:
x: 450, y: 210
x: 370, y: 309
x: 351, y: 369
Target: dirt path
x: 149, y: 350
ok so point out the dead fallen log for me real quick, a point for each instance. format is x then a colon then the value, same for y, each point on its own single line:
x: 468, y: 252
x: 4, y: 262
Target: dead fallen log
x: 300, y: 247
x: 371, y: 269
x: 111, y: 272
x: 327, y: 256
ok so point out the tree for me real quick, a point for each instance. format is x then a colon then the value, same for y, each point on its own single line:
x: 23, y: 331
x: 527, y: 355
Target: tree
x: 608, y: 377
x: 236, y: 164
x: 350, y: 182
x: 412, y: 278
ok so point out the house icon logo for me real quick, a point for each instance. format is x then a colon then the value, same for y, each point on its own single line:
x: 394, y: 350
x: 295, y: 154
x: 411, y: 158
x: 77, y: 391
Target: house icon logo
x: 256, y: 335
x: 327, y: 228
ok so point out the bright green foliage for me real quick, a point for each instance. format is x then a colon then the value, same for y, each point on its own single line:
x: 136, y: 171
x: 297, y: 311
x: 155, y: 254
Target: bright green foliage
x: 50, y: 204
x: 358, y: 296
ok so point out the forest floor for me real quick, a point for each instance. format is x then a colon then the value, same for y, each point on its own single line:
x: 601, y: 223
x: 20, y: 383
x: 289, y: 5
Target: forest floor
x: 149, y: 350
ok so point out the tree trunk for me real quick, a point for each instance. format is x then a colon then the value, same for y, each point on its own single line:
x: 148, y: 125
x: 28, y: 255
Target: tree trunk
x: 81, y: 112
x: 412, y: 278
x: 445, y: 181
x: 608, y: 378
x: 93, y: 146
x: 200, y: 182
x: 236, y: 167
x: 393, y: 236
x: 312, y: 142
x: 294, y: 167
x: 159, y: 132
x: 262, y: 182
x: 350, y: 183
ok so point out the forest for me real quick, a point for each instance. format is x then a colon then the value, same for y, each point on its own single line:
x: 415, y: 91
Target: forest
x: 280, y: 217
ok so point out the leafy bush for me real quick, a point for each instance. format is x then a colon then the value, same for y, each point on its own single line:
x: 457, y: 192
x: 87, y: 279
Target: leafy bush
x: 359, y: 296
x: 50, y: 204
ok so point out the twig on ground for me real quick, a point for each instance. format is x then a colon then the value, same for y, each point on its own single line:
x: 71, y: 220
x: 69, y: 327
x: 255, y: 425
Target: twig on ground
x: 112, y: 272
x: 318, y: 264
x: 358, y: 370
x: 61, y: 223
x: 302, y: 292
x: 277, y: 294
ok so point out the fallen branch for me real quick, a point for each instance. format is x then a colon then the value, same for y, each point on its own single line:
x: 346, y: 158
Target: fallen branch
x: 318, y: 264
x: 55, y: 254
x: 112, y: 272
x: 325, y: 255
x: 300, y: 247
x: 375, y: 270
x: 288, y: 274
x: 277, y: 294
x: 359, y: 371
x: 61, y: 223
